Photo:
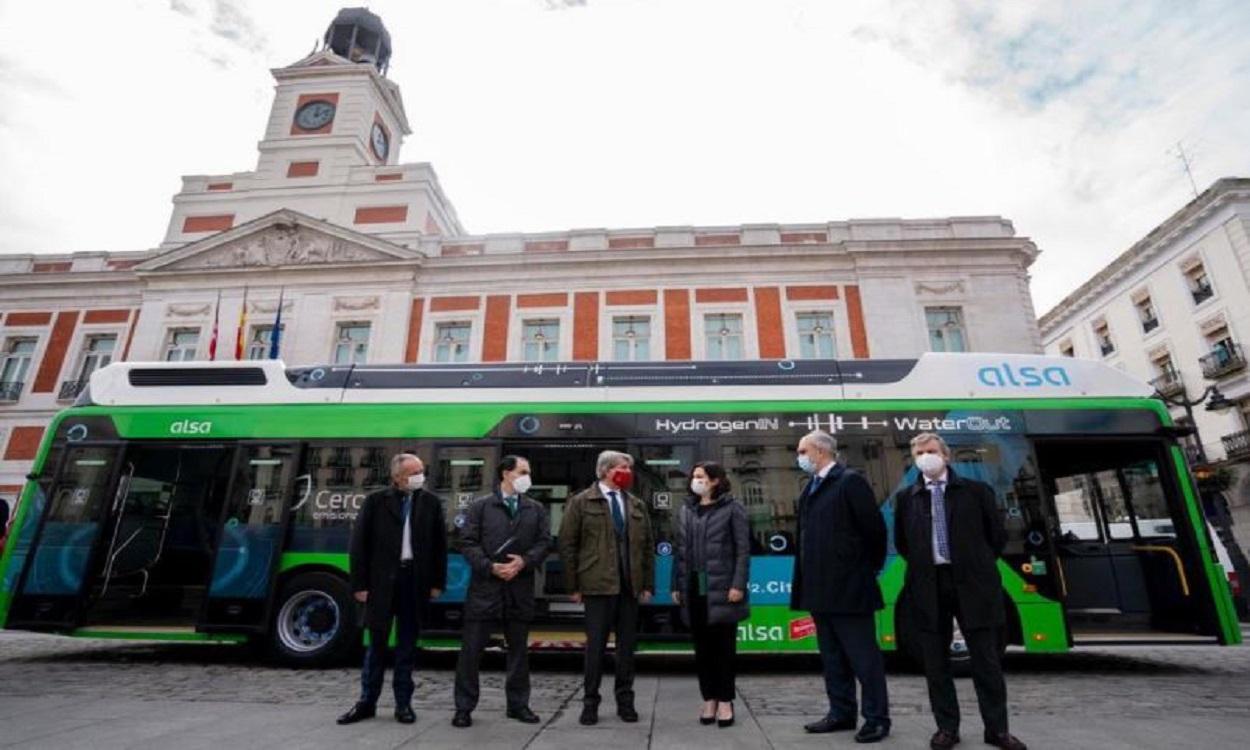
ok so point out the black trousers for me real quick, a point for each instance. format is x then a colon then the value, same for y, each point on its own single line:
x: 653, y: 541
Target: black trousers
x: 987, y: 669
x: 474, y: 637
x: 715, y: 645
x: 606, y: 614
x: 849, y: 651
x: 406, y: 630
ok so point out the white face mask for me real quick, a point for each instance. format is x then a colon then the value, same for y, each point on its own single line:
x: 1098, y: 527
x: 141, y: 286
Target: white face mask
x: 521, y: 484
x: 416, y: 481
x: 931, y: 464
x: 698, y: 486
x: 806, y: 465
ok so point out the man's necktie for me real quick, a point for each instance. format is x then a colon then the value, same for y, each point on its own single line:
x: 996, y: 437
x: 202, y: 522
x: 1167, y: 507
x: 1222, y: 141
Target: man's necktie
x: 618, y: 517
x: 940, y: 533
x: 406, y: 510
x: 511, y: 501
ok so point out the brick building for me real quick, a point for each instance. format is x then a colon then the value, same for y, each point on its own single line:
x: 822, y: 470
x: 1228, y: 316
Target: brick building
x: 371, y: 263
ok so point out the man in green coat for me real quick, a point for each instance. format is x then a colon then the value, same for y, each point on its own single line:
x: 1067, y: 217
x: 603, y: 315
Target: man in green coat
x: 607, y: 550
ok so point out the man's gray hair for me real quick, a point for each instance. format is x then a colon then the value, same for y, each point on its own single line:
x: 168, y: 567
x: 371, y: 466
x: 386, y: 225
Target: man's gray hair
x: 397, y: 462
x: 926, y: 437
x: 822, y: 441
x: 609, y: 459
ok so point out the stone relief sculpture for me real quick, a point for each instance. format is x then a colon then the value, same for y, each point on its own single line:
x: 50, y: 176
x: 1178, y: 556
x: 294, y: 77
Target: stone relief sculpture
x: 282, y: 245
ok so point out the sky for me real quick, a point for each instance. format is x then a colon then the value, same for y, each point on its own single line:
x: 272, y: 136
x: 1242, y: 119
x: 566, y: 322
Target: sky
x: 543, y: 115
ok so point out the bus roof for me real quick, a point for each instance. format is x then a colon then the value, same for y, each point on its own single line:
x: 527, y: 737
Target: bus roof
x: 931, y: 376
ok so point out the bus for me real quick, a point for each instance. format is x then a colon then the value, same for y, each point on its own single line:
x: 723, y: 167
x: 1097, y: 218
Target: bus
x: 214, y: 501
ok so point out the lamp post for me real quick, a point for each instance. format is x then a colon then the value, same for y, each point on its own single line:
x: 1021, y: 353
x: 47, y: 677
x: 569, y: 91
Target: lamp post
x: 1217, y: 402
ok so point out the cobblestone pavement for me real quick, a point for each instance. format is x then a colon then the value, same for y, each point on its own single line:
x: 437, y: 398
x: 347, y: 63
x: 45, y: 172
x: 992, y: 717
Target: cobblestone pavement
x: 59, y: 691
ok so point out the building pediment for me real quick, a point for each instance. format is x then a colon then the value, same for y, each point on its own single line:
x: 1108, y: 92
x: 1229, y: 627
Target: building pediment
x: 282, y: 239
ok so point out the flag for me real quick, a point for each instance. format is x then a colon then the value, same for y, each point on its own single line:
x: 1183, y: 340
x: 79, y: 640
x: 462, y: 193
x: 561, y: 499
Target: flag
x: 276, y: 334
x: 212, y: 343
x: 241, y: 331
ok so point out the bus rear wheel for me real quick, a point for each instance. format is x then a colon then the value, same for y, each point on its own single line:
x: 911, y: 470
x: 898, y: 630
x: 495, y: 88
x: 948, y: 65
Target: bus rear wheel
x: 314, y: 623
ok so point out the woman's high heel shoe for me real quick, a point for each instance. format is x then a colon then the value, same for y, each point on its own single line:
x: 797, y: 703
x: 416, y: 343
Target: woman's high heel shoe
x: 706, y: 720
x: 722, y: 723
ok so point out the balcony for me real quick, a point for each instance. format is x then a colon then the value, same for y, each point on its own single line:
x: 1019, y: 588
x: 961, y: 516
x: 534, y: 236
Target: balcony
x: 1107, y: 348
x: 70, y: 389
x: 1149, y: 324
x: 10, y: 390
x: 1202, y: 292
x: 1237, y: 445
x: 1169, y: 383
x: 1224, y: 359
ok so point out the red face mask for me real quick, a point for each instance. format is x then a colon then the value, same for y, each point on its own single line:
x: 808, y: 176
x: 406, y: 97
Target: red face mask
x: 623, y: 478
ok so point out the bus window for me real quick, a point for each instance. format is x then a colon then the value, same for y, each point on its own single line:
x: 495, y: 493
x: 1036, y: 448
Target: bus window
x: 331, y: 488
x: 1144, y: 489
x: 73, y: 521
x: 1075, y: 509
x: 661, y: 479
x: 767, y: 481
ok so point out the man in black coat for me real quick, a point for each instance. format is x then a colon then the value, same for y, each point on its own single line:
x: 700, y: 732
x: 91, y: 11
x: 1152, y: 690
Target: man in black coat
x: 505, y: 538
x: 398, y: 564
x: 949, y: 530
x: 841, y: 549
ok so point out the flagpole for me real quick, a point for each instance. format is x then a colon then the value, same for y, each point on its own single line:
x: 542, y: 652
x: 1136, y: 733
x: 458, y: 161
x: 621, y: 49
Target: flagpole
x: 240, y: 332
x: 212, y: 343
x: 275, y: 335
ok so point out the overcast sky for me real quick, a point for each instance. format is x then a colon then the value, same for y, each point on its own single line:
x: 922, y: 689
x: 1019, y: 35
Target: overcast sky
x: 554, y: 114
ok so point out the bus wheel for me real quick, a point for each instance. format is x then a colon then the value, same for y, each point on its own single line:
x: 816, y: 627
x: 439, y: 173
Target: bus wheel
x: 315, y: 624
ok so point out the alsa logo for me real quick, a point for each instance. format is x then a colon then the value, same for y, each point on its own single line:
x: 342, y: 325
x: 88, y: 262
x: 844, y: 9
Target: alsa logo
x: 1004, y: 375
x: 190, y: 427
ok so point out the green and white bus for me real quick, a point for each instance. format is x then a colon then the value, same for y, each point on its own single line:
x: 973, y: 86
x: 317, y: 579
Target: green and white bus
x: 214, y: 501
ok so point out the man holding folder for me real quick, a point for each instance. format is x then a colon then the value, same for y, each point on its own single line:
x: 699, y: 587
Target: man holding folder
x: 506, y: 536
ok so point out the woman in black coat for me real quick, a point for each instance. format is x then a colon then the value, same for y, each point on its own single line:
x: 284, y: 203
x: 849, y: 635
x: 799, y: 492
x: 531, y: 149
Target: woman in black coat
x: 711, y: 567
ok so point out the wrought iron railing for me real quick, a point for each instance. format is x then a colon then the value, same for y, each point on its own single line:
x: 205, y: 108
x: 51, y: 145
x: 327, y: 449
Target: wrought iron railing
x: 70, y: 389
x: 11, y: 390
x: 1201, y: 293
x: 1223, y: 360
x: 1237, y: 445
x: 1169, y: 383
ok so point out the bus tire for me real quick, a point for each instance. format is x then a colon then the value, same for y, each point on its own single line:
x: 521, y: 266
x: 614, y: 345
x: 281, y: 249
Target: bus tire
x: 314, y: 622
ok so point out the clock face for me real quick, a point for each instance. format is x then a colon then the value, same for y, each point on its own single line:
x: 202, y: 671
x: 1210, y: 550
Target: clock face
x: 314, y: 115
x: 380, y: 141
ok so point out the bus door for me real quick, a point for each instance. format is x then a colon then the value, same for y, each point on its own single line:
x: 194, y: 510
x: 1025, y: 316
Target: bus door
x: 1122, y: 538
x: 662, y: 479
x: 560, y: 470
x: 66, y: 549
x: 458, y: 474
x: 250, y: 537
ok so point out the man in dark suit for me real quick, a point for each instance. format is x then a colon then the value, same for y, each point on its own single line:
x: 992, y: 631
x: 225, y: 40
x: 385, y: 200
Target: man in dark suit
x: 841, y: 549
x: 398, y: 563
x: 949, y: 530
x: 505, y: 538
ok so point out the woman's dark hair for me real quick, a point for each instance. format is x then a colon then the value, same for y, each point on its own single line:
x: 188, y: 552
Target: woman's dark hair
x: 507, y: 463
x: 717, y: 472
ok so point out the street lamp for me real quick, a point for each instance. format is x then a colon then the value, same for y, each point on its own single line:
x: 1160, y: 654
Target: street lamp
x: 1216, y: 401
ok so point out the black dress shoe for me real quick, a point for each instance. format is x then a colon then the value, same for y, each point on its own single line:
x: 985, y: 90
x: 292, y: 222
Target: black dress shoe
x: 722, y: 723
x: 523, y: 715
x: 872, y: 732
x: 590, y: 716
x: 461, y: 720
x: 405, y: 715
x: 828, y: 724
x: 627, y: 713
x: 943, y: 740
x: 358, y: 712
x: 1005, y: 740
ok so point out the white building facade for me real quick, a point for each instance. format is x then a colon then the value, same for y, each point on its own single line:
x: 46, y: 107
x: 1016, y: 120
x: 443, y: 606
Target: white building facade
x: 369, y: 262
x: 1174, y: 310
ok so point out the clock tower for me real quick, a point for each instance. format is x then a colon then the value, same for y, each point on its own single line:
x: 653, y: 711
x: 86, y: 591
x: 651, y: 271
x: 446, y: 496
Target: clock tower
x: 336, y: 107
x: 330, y: 151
